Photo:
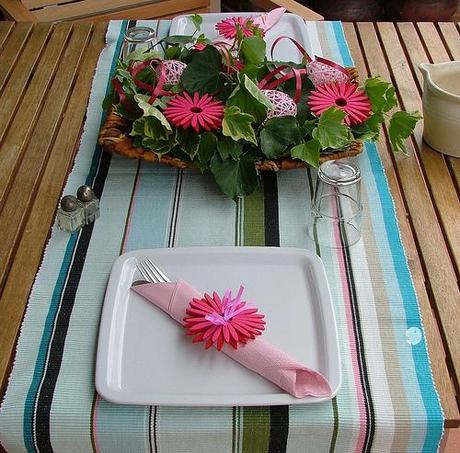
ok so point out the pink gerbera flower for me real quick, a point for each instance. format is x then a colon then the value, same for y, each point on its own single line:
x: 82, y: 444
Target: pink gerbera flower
x: 200, y: 113
x: 344, y: 96
x: 216, y: 321
x: 228, y: 27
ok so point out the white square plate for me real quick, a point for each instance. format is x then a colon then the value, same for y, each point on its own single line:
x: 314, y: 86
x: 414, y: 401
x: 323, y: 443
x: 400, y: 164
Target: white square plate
x: 289, y: 25
x: 144, y: 356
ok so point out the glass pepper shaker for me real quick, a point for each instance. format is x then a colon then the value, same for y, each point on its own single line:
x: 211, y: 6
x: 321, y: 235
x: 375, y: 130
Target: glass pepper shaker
x: 70, y: 215
x: 90, y: 203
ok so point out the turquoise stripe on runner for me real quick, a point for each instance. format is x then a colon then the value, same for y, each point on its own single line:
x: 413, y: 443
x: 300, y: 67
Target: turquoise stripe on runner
x: 422, y: 365
x: 29, y: 406
x: 49, y: 324
x: 341, y: 41
x: 419, y: 352
x: 395, y: 297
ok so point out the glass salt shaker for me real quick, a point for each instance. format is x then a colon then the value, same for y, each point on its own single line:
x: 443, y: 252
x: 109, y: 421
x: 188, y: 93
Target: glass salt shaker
x: 90, y: 203
x: 336, y: 210
x: 138, y: 39
x: 70, y: 215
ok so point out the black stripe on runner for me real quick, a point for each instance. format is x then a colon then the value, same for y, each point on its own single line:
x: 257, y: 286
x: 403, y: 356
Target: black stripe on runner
x: 56, y: 348
x: 370, y: 414
x: 279, y: 415
x: 271, y: 213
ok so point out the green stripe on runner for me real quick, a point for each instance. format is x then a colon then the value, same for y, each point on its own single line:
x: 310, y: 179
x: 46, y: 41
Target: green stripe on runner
x: 256, y: 429
x: 335, y: 410
x: 254, y: 228
x: 256, y: 420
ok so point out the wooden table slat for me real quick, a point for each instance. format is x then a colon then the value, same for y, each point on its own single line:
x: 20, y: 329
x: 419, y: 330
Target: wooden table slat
x: 454, y: 164
x: 435, y: 164
x: 19, y: 95
x: 12, y: 49
x: 434, y: 252
x: 451, y: 36
x: 29, y: 252
x: 29, y: 70
x: 436, y: 349
x: 5, y: 29
x: 38, y: 148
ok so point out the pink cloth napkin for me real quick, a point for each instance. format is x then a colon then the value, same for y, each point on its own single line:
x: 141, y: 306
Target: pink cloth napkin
x: 267, y: 20
x: 257, y: 355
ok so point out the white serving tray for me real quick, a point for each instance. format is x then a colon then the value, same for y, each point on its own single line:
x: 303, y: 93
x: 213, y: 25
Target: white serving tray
x: 289, y: 25
x: 144, y: 356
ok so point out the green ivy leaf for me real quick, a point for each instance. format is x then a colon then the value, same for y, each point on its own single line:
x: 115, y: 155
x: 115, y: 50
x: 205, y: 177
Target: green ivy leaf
x: 249, y: 99
x: 381, y: 94
x: 172, y: 53
x: 277, y: 135
x: 141, y: 55
x: 159, y: 146
x: 253, y: 49
x: 303, y: 109
x: 150, y: 110
x: 228, y: 147
x: 178, y: 39
x: 252, y: 70
x: 203, y: 74
x: 189, y: 142
x: 207, y: 147
x: 236, y: 178
x: 370, y: 129
x: 331, y: 131
x: 197, y: 21
x: 308, y: 126
x: 308, y: 152
x: 238, y: 125
x: 402, y: 124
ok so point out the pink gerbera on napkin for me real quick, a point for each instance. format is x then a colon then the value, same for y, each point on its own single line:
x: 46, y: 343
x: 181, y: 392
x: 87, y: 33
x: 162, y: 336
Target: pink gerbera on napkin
x: 217, y: 321
x: 228, y: 27
x: 344, y: 96
x: 197, y: 112
x: 257, y: 355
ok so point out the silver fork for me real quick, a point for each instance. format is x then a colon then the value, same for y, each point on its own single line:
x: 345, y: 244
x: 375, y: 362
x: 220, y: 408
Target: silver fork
x: 151, y: 272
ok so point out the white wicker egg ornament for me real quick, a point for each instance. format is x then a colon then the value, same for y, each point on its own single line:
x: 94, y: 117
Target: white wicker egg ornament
x: 283, y: 104
x: 320, y: 73
x: 173, y: 71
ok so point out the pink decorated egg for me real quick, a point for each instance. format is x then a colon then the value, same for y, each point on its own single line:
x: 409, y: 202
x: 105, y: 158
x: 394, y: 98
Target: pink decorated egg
x: 321, y: 73
x: 173, y: 70
x: 283, y: 104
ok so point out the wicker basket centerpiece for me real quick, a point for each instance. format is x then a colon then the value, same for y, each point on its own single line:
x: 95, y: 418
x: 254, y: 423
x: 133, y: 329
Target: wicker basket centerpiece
x: 223, y: 106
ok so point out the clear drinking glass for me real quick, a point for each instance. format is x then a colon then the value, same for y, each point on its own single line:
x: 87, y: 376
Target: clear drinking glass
x: 138, y: 38
x: 336, y: 210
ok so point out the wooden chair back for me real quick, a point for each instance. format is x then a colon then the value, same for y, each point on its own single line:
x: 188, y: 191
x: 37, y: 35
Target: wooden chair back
x: 59, y: 10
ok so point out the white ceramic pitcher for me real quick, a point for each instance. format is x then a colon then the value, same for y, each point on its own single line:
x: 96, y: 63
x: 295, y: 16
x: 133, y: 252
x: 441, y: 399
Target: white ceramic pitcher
x: 441, y: 106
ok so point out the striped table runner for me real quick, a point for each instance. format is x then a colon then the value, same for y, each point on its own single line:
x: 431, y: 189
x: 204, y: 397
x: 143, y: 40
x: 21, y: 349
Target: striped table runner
x: 387, y: 402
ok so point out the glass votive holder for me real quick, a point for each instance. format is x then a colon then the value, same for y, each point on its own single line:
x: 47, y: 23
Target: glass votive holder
x: 336, y: 209
x: 138, y: 39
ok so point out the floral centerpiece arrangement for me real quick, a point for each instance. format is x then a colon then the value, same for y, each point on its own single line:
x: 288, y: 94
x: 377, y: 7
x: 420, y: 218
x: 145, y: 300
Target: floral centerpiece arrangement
x: 223, y: 106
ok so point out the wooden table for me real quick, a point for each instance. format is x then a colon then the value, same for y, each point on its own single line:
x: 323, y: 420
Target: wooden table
x: 45, y: 79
